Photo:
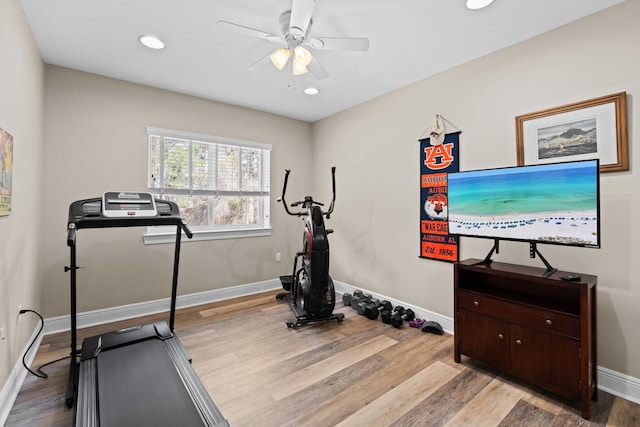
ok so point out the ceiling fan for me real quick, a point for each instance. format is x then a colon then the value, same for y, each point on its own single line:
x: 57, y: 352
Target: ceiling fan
x: 295, y: 26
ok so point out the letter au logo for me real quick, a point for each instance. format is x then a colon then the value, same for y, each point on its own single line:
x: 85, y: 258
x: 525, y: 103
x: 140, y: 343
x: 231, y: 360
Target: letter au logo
x: 438, y: 156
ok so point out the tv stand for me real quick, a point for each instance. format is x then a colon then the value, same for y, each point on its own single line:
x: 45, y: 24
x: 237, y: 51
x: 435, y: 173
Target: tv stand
x: 533, y: 250
x: 495, y: 248
x: 529, y: 324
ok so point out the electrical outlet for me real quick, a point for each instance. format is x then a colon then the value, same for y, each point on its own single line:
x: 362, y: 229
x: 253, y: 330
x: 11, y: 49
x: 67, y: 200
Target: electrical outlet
x: 278, y: 256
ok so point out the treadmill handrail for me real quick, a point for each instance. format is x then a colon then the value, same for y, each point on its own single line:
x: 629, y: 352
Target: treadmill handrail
x: 186, y: 229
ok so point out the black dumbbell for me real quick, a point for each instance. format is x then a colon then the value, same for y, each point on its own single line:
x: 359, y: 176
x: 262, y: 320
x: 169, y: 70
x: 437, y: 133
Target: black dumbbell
x: 346, y: 298
x: 385, y: 315
x: 388, y: 315
x: 371, y: 309
x: 361, y: 306
x: 398, y: 316
x: 352, y: 299
x: 355, y: 301
x: 375, y: 307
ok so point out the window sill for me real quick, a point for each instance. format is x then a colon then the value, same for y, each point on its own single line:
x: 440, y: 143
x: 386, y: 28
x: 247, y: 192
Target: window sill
x: 159, y: 238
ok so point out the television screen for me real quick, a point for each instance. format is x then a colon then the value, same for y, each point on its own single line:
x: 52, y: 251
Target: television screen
x: 555, y: 203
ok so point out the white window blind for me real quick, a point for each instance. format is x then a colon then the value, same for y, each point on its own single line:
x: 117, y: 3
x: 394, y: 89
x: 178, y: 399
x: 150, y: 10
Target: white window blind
x: 220, y: 184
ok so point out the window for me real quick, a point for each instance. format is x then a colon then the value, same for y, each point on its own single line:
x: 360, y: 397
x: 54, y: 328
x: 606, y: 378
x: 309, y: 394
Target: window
x: 220, y: 184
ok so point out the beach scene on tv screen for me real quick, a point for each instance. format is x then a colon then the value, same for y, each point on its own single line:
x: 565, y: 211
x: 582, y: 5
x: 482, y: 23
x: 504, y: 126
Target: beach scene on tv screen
x: 552, y: 203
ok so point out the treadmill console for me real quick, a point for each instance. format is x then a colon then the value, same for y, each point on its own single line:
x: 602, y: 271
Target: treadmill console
x: 126, y: 204
x: 120, y: 209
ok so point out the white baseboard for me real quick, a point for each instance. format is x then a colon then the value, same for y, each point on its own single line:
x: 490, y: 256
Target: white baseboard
x: 16, y: 378
x: 619, y: 384
x: 98, y: 317
x: 610, y: 381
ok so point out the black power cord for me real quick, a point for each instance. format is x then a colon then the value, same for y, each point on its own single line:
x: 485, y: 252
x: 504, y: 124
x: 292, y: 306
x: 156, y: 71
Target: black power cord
x: 38, y: 373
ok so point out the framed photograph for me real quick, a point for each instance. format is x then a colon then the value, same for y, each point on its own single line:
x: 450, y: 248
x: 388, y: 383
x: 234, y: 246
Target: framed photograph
x: 592, y: 129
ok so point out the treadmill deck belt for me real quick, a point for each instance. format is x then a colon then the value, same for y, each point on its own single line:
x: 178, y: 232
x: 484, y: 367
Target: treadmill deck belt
x: 138, y: 385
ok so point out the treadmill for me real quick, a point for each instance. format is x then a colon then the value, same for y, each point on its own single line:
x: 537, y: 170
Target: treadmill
x: 138, y: 376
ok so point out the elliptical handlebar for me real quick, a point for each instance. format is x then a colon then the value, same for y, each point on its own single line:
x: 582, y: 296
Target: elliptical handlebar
x: 308, y: 198
x: 333, y: 201
x: 284, y: 190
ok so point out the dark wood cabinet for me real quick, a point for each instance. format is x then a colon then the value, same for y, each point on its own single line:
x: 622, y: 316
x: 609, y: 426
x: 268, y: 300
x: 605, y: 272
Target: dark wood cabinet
x: 540, y: 329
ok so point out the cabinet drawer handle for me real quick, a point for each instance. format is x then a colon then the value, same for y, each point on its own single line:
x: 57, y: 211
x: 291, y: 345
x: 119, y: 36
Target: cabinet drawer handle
x: 500, y: 336
x: 519, y: 342
x: 549, y: 322
x: 476, y: 303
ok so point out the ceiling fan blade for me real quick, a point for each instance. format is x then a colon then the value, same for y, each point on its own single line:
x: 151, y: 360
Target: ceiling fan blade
x: 260, y: 62
x: 250, y: 31
x: 358, y: 44
x: 301, y: 12
x: 317, y: 70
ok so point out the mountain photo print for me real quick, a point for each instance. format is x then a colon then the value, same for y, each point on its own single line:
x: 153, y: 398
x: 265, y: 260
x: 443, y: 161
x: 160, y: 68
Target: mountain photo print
x: 567, y: 139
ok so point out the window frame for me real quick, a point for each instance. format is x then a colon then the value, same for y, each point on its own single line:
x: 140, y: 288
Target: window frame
x: 155, y: 235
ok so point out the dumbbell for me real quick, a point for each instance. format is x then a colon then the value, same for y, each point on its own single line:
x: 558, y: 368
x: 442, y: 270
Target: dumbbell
x: 361, y: 305
x: 387, y: 315
x: 347, y: 298
x: 416, y: 323
x: 357, y: 298
x: 375, y: 307
x: 397, y: 316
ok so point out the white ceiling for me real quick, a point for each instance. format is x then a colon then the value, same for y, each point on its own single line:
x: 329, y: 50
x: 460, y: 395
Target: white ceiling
x: 409, y: 41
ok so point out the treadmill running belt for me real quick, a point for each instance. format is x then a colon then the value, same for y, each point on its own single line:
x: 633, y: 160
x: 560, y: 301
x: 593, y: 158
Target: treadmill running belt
x: 138, y: 385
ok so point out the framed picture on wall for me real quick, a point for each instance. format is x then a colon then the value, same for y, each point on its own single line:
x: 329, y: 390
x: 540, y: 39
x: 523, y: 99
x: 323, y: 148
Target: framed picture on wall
x: 6, y: 172
x: 596, y: 128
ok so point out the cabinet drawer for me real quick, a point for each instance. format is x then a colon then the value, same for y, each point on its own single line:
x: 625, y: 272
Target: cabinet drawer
x: 561, y: 323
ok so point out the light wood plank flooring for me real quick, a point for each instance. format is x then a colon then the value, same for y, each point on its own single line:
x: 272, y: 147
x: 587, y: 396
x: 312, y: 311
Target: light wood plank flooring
x: 356, y: 373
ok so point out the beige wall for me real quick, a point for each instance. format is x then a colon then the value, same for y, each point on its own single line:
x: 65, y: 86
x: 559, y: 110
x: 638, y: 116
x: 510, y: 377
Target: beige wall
x: 95, y: 136
x: 21, y: 86
x: 375, y: 149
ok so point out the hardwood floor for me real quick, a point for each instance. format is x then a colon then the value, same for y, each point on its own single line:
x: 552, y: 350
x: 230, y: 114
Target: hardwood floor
x: 355, y: 373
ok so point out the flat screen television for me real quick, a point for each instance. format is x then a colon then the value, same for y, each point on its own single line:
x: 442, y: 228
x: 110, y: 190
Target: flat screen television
x: 555, y: 203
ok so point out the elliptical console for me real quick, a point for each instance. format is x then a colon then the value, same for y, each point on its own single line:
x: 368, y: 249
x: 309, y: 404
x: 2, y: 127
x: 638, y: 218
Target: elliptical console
x: 310, y: 291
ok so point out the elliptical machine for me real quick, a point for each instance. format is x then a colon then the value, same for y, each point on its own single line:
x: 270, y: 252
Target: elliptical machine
x: 310, y: 292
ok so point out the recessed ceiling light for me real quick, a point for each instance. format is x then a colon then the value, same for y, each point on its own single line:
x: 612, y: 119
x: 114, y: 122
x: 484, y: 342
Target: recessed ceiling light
x: 311, y: 91
x: 478, y: 4
x: 152, y: 42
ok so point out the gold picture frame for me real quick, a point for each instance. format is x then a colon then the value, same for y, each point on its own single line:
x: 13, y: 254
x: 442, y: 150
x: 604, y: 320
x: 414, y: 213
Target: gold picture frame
x: 595, y: 128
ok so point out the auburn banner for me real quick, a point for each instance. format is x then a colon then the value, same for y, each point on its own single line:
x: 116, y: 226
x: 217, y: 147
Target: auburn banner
x: 435, y: 162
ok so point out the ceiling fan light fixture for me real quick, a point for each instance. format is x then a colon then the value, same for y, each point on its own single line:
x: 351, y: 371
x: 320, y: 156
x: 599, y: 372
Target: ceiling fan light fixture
x: 279, y: 57
x: 302, y: 56
x: 478, y: 4
x: 298, y: 68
